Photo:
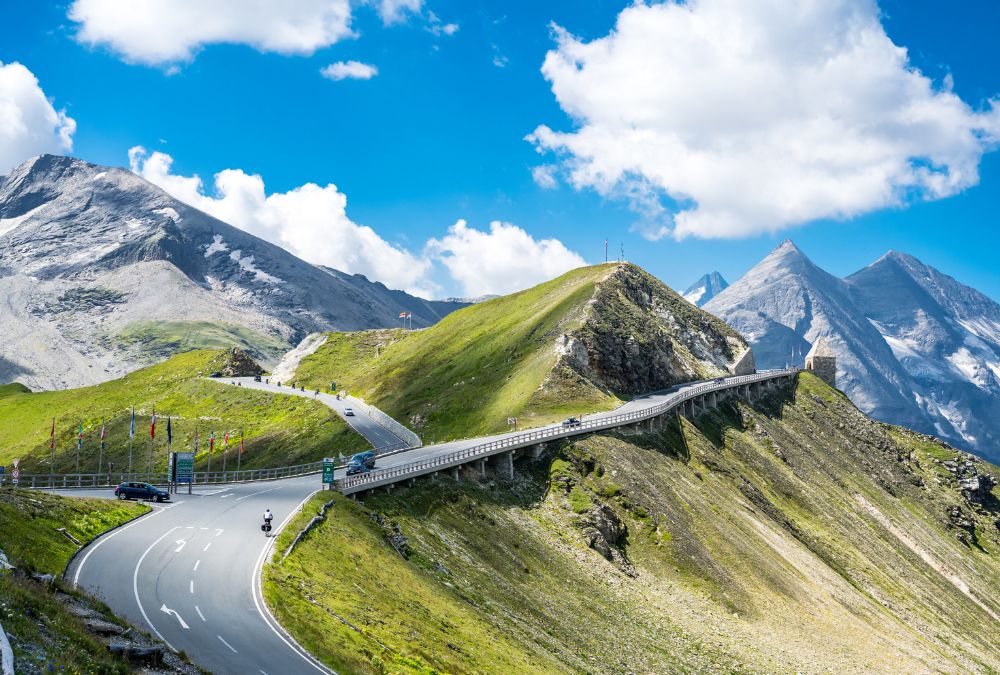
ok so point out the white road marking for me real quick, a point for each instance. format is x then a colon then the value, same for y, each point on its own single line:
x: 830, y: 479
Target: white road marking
x: 258, y: 596
x: 76, y: 575
x: 206, y: 547
x: 254, y: 494
x: 218, y: 532
x: 227, y: 644
x: 167, y: 610
x: 204, y: 528
x: 181, y: 544
x: 135, y: 586
x: 196, y: 566
x: 223, y: 497
x: 191, y: 587
x: 200, y: 615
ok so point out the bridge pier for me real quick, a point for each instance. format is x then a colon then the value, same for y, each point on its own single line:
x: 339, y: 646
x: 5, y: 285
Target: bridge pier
x: 456, y: 474
x: 537, y: 450
x: 482, y: 467
x: 504, y: 463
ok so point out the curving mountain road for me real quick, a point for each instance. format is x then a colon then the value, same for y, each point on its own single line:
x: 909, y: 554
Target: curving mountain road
x: 188, y: 573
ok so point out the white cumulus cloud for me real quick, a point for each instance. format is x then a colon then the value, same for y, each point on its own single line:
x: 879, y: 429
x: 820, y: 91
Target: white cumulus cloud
x: 349, y: 70
x: 167, y: 31
x: 721, y: 118
x: 503, y: 260
x: 396, y: 11
x: 29, y: 124
x: 310, y: 221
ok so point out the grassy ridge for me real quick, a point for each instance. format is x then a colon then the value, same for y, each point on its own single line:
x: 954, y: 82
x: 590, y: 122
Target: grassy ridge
x: 739, y: 540
x: 34, y: 614
x: 278, y: 429
x: 475, y: 368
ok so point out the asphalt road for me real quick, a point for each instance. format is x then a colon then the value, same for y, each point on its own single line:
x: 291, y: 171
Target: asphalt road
x: 187, y: 572
x: 374, y: 433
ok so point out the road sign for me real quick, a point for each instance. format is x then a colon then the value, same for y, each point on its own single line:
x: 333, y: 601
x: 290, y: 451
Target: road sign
x: 15, y: 475
x: 182, y: 467
x: 327, y: 470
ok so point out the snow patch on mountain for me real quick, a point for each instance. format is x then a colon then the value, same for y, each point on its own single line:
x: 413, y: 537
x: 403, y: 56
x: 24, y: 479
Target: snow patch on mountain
x: 217, y: 245
x: 706, y: 288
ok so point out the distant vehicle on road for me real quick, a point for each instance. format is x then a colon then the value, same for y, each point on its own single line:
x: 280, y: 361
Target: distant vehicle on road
x: 256, y: 378
x: 719, y: 380
x: 571, y: 422
x: 356, y: 467
x: 141, y: 491
x: 349, y: 412
x: 367, y: 458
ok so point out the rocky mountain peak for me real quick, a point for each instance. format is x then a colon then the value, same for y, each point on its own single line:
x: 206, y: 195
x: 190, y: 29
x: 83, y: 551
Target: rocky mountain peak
x: 706, y: 288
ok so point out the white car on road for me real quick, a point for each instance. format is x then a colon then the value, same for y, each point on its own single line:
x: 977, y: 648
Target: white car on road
x: 349, y: 412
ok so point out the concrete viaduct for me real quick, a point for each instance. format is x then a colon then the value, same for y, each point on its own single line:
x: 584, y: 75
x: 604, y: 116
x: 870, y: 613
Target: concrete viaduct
x: 644, y: 415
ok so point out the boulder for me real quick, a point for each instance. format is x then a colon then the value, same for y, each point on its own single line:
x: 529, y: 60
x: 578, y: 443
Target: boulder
x: 238, y: 363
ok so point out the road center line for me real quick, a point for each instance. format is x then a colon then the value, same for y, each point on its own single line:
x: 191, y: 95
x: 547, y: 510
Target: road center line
x: 191, y: 587
x: 227, y: 644
x: 135, y: 586
x: 218, y: 532
x: 196, y: 566
x: 254, y: 494
x: 200, y: 615
x: 206, y: 547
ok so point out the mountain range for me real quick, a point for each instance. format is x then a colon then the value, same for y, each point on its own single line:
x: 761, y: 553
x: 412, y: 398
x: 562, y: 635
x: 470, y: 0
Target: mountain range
x: 914, y: 346
x: 706, y: 288
x: 102, y: 272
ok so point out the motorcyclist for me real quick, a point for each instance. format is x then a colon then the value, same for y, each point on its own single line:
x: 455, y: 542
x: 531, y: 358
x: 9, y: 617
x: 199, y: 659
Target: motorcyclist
x: 268, y: 516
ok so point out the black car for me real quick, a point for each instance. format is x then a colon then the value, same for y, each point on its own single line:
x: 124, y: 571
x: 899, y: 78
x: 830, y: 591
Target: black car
x: 143, y: 491
x: 571, y: 422
x: 367, y: 458
x: 355, y: 467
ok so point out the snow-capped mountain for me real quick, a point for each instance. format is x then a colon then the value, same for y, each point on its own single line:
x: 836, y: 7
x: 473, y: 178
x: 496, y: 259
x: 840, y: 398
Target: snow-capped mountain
x: 706, y: 288
x: 103, y: 272
x: 914, y: 347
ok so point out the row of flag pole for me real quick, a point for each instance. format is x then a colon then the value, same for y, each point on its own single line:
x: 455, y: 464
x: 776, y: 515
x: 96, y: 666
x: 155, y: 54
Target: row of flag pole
x: 131, y: 434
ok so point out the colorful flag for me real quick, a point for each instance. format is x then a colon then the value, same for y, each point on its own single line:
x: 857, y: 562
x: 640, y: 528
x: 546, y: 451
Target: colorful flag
x: 402, y: 315
x: 211, y: 442
x: 79, y: 438
x: 227, y: 440
x: 152, y: 425
x: 170, y: 435
x: 131, y: 429
x: 102, y: 435
x: 242, y: 447
x: 196, y: 441
x: 52, y: 435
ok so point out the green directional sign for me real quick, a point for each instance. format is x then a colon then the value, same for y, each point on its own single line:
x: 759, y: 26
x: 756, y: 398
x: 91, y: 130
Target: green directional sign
x: 327, y: 470
x: 183, y: 467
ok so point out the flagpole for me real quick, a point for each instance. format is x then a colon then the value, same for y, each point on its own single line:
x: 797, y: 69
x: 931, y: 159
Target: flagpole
x: 152, y: 441
x: 225, y: 454
x: 131, y: 438
x: 100, y: 453
x: 211, y: 446
x: 79, y: 442
x: 239, y: 455
x: 52, y: 446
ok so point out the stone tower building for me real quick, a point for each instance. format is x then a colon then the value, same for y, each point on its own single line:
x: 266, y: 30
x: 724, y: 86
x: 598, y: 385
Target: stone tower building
x: 821, y: 361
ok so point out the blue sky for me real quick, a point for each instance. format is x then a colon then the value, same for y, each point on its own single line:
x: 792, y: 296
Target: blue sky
x: 438, y: 135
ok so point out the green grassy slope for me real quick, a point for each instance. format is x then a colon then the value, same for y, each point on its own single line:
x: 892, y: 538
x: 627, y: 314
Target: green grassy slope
x: 162, y: 339
x: 475, y: 368
x: 525, y: 355
x: 34, y: 616
x: 731, y: 545
x: 279, y: 429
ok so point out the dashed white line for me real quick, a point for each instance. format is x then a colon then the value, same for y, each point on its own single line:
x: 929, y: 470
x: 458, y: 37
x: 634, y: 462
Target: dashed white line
x: 191, y: 587
x: 206, y: 547
x: 204, y: 528
x: 200, y: 615
x: 196, y: 566
x: 223, y: 497
x: 76, y: 575
x: 218, y: 532
x: 227, y: 644
x: 135, y: 586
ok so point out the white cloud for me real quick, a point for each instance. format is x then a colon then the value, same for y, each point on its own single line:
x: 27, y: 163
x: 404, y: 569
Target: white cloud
x: 721, y: 118
x: 435, y: 26
x: 544, y: 176
x: 503, y: 260
x: 310, y: 221
x: 397, y: 11
x: 166, y: 31
x: 349, y: 70
x: 29, y: 125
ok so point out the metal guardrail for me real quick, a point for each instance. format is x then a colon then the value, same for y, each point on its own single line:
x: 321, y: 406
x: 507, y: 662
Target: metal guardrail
x: 551, y: 433
x: 408, y: 438
x: 97, y: 480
